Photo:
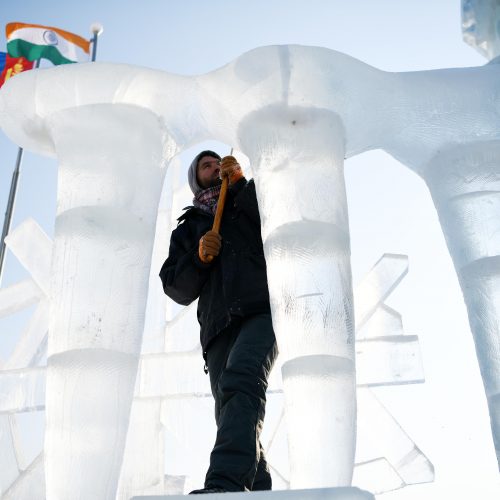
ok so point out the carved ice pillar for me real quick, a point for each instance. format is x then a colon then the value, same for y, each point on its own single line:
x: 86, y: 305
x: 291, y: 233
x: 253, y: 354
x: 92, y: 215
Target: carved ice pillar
x: 297, y: 155
x: 112, y: 164
x: 464, y: 181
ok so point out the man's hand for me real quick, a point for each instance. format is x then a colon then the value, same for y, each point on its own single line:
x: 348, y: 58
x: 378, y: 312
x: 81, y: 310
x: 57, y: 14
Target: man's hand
x: 209, y: 246
x: 230, y: 168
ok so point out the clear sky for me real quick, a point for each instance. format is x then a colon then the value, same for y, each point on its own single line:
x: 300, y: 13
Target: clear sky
x: 390, y: 207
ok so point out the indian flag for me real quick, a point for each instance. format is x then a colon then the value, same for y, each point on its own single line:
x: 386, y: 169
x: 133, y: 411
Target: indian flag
x: 33, y: 42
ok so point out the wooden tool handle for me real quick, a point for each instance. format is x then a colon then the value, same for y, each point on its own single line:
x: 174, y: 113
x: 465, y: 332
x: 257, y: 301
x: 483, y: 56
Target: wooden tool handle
x: 220, y: 205
x: 220, y: 209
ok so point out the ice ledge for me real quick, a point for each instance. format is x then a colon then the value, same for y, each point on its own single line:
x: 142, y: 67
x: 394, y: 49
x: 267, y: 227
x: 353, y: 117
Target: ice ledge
x: 313, y: 494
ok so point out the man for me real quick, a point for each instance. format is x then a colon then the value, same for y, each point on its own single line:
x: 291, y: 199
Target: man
x: 227, y: 272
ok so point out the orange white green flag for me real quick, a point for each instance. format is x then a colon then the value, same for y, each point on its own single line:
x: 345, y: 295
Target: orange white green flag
x: 34, y: 41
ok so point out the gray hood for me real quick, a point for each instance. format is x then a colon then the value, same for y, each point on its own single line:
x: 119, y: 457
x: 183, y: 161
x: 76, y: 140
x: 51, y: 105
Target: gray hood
x: 193, y: 182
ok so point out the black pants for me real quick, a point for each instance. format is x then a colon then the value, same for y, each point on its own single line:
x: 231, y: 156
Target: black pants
x: 239, y: 362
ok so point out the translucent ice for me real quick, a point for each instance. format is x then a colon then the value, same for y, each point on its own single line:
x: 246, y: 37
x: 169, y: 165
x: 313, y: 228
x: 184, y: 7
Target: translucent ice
x: 296, y: 112
x: 480, y: 26
x: 389, y: 360
x: 30, y: 484
x: 143, y: 463
x: 391, y: 441
x: 28, y: 346
x: 33, y: 248
x: 8, y: 460
x: 18, y: 296
x: 22, y: 390
x: 378, y: 284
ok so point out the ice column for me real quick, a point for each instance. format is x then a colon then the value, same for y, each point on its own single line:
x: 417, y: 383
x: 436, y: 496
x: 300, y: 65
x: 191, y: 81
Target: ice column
x: 297, y: 155
x: 112, y: 160
x: 465, y: 184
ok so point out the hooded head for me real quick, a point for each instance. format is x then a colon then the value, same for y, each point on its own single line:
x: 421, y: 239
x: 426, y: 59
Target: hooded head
x: 192, y: 178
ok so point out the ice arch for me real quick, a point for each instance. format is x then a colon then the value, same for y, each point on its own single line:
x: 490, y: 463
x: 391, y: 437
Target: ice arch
x: 296, y: 112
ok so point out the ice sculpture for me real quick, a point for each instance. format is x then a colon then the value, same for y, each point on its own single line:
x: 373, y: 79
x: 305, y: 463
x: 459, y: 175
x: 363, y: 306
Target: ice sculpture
x: 166, y: 405
x: 481, y: 26
x: 296, y: 112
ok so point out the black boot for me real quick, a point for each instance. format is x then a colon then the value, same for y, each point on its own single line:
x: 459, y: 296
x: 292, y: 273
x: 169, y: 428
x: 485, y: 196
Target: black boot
x: 207, y: 490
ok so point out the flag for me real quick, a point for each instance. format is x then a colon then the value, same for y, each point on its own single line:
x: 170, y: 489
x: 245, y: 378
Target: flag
x: 11, y: 66
x: 33, y: 42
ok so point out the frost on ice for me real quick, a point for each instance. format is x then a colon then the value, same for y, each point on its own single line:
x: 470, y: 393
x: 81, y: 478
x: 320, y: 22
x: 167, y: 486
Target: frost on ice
x: 118, y: 128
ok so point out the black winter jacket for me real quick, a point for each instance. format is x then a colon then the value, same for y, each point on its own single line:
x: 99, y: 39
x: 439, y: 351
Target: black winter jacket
x: 234, y: 285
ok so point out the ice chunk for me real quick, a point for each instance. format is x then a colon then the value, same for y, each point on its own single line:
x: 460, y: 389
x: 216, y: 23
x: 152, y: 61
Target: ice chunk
x: 378, y: 475
x: 480, y: 26
x: 33, y: 248
x: 142, y: 471
x: 18, y: 296
x: 30, y: 484
x: 384, y: 321
x: 22, y: 390
x: 87, y: 424
x: 389, y: 360
x: 182, y: 332
x: 390, y: 441
x: 172, y: 374
x: 183, y: 432
x: 28, y: 431
x: 27, y: 347
x: 385, y: 275
x: 8, y: 461
x: 465, y: 183
x: 308, y: 406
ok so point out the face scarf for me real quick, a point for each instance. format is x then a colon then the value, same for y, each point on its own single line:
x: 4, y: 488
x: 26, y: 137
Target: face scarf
x: 207, y: 199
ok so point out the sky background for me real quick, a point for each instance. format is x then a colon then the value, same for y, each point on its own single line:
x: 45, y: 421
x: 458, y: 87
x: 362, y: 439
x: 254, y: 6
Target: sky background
x: 389, y: 206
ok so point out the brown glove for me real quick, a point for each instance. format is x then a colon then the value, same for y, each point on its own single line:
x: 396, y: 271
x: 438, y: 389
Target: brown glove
x: 229, y: 167
x: 210, y: 244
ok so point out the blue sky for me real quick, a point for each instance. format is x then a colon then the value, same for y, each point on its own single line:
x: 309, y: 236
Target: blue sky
x: 390, y: 208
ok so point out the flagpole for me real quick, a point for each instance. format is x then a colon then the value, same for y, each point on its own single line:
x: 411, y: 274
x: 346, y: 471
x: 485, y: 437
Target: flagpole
x: 11, y: 201
x: 96, y: 29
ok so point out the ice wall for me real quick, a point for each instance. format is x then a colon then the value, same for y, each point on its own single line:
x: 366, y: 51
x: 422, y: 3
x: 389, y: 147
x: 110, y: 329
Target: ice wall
x: 296, y: 112
x: 481, y: 26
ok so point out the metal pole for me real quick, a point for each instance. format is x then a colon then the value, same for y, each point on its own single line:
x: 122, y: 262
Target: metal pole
x: 96, y: 29
x: 94, y: 46
x: 10, y: 208
x: 11, y: 201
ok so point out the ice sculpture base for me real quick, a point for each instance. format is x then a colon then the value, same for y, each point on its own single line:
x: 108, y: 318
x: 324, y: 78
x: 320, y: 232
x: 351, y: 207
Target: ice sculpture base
x: 344, y: 493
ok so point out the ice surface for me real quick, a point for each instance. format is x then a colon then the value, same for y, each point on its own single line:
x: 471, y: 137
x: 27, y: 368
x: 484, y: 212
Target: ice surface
x: 296, y: 113
x: 480, y: 26
x: 30, y: 484
x: 391, y: 441
x: 18, y: 296
x: 22, y: 390
x: 33, y: 248
x: 384, y: 319
x: 179, y: 334
x: 143, y: 463
x: 172, y: 374
x: 379, y: 474
x: 388, y: 360
x: 385, y: 275
x: 28, y: 347
x: 313, y: 494
x: 102, y: 253
x: 87, y: 425
x: 8, y: 459
x: 28, y: 431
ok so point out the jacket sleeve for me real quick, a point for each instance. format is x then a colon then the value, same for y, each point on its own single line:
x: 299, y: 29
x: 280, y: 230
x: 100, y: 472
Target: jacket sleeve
x: 245, y: 198
x: 183, y: 274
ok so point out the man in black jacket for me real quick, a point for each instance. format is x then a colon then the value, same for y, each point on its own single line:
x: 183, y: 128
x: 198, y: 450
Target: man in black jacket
x: 227, y: 273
